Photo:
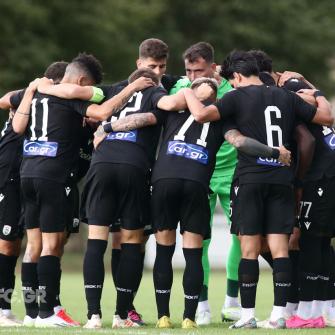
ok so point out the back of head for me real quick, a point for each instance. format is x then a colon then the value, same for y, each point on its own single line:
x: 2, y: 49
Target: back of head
x: 209, y: 81
x: 144, y: 72
x: 85, y: 65
x: 241, y: 62
x: 199, y: 50
x: 295, y: 85
x: 153, y: 48
x: 264, y: 62
x: 56, y: 71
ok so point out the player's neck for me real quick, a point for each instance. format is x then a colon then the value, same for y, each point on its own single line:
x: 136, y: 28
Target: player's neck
x: 252, y: 80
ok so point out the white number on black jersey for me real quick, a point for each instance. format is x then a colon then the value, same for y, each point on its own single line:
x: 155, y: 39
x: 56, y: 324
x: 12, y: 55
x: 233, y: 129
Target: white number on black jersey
x: 45, y: 116
x: 136, y: 98
x: 180, y: 136
x: 273, y: 130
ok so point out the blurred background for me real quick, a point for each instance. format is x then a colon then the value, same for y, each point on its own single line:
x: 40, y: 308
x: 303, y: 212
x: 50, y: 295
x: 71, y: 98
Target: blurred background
x: 298, y: 35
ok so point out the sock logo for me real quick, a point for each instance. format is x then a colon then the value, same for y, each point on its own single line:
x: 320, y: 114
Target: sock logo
x: 1, y: 197
x: 6, y: 230
x: 307, y: 224
x: 320, y: 191
x: 126, y: 290
x: 93, y: 286
x: 163, y: 291
x: 191, y: 297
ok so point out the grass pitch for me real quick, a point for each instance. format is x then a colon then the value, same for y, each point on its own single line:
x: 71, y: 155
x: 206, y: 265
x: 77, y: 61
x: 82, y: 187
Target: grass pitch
x: 72, y: 297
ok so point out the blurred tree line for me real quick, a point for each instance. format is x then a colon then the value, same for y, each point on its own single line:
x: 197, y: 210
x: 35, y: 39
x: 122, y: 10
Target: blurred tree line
x: 299, y: 35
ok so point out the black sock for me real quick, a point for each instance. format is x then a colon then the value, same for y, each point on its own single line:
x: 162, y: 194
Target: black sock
x: 331, y: 285
x: 294, y: 290
x: 232, y: 288
x: 94, y: 275
x: 29, y: 288
x: 163, y: 278
x: 115, y: 260
x: 132, y: 307
x: 324, y: 276
x: 192, y: 280
x: 282, y: 272
x: 204, y: 293
x: 128, y: 276
x: 48, y: 268
x: 7, y: 280
x: 248, y: 274
x: 310, y: 266
x: 57, y: 301
x: 268, y: 257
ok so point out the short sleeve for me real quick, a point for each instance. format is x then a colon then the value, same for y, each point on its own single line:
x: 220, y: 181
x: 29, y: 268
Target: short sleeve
x: 303, y: 110
x: 160, y: 115
x: 158, y: 93
x: 226, y: 105
x: 227, y: 125
x: 80, y: 106
x: 16, y: 98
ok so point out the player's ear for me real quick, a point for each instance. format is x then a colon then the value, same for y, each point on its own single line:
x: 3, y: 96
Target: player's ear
x: 138, y: 63
x: 213, y: 67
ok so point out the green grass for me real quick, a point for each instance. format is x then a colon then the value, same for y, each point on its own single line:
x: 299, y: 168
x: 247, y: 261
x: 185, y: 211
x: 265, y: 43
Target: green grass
x: 73, y: 299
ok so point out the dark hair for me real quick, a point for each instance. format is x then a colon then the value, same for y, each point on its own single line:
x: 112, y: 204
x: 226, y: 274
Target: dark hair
x: 199, y: 50
x: 241, y: 62
x: 153, y: 48
x: 263, y: 60
x: 143, y: 72
x: 56, y: 70
x: 295, y: 85
x: 90, y: 65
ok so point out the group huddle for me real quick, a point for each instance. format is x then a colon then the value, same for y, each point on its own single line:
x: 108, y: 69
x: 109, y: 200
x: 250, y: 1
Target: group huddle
x: 156, y: 151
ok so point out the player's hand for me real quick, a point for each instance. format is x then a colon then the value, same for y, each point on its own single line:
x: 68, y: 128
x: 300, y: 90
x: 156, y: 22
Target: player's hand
x: 43, y: 85
x: 99, y: 136
x: 141, y: 83
x: 285, y: 76
x: 307, y: 91
x: 33, y: 85
x: 284, y: 156
x: 203, y: 92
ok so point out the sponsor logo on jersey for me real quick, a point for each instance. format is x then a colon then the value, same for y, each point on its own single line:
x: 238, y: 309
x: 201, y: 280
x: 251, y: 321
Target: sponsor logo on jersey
x: 6, y: 230
x: 39, y: 148
x: 129, y: 136
x: 307, y: 224
x: 67, y: 191
x: 269, y: 161
x: 189, y: 151
x: 330, y: 140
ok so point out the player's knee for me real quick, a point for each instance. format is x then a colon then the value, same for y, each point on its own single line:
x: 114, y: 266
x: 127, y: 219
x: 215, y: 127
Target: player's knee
x: 132, y: 236
x: 166, y: 237
x: 32, y: 252
x: 116, y: 240
x: 10, y: 248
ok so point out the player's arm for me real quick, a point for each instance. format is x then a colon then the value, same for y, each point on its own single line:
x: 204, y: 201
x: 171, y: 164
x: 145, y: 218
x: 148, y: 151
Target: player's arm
x: 306, y: 146
x: 22, y: 114
x: 111, y: 106
x: 72, y: 91
x: 324, y: 114
x: 130, y: 122
x: 200, y: 112
x: 5, y: 100
x: 174, y: 102
x: 253, y: 147
x: 286, y: 75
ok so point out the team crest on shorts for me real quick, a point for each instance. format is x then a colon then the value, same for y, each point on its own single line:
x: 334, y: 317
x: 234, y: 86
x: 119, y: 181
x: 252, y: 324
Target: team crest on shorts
x: 6, y: 230
x: 1, y: 197
x: 320, y: 191
x: 75, y: 222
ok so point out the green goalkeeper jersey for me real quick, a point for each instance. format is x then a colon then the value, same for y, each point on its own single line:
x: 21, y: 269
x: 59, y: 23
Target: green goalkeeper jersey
x: 226, y: 157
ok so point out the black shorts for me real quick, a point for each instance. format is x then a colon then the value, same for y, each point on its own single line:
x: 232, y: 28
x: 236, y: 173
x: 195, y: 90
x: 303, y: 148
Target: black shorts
x: 11, y: 227
x: 262, y: 209
x: 117, y: 191
x: 317, y: 207
x: 45, y: 204
x: 72, y: 207
x: 180, y: 200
